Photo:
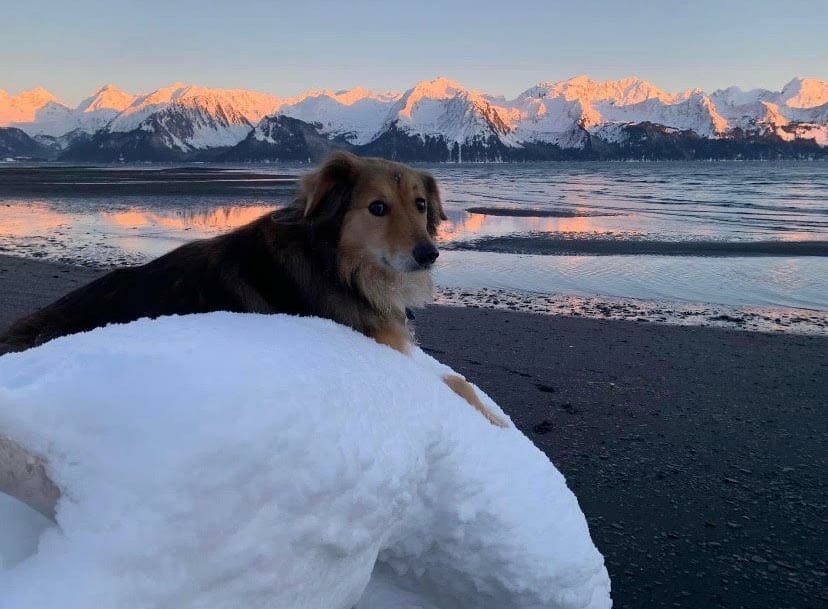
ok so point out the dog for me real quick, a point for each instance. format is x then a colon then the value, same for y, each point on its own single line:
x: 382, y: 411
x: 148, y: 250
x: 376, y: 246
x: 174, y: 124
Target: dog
x: 355, y: 246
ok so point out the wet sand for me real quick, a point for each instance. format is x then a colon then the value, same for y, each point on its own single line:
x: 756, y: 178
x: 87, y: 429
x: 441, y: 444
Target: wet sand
x: 523, y: 212
x: 551, y: 244
x: 697, y: 454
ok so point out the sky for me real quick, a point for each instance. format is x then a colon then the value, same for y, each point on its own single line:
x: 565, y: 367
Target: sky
x: 503, y: 47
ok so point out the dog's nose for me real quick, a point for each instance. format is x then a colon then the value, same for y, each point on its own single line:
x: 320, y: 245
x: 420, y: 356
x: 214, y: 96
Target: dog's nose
x: 425, y: 254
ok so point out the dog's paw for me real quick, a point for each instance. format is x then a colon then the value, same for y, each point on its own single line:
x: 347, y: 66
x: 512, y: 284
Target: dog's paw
x: 494, y: 419
x: 462, y: 388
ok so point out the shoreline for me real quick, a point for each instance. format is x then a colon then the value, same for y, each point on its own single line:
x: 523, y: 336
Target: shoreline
x: 751, y: 319
x: 746, y: 319
x: 697, y: 454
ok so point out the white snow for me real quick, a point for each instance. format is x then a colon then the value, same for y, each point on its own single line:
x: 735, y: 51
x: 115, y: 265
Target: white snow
x: 37, y: 112
x: 556, y: 112
x: 804, y: 93
x: 442, y: 107
x: 356, y: 114
x: 96, y: 111
x: 23, y: 107
x: 238, y: 104
x: 229, y: 460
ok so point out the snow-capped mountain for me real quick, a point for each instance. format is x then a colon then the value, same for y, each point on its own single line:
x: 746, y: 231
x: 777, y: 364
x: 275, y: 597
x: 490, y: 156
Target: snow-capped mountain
x: 798, y: 111
x: 355, y: 115
x: 185, y: 118
x: 178, y: 119
x: 442, y: 107
x: 281, y: 138
x: 24, y: 107
x: 96, y: 111
x: 436, y: 120
x: 36, y: 111
x: 566, y: 113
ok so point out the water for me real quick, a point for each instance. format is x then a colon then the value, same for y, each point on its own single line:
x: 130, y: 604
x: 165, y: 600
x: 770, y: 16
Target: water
x: 573, y: 230
x: 663, y: 201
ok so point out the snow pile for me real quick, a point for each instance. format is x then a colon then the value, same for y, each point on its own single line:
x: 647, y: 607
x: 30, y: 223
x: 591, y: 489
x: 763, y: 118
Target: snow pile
x: 267, y: 461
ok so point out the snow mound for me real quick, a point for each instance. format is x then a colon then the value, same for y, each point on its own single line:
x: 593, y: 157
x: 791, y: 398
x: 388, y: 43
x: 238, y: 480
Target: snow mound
x: 228, y: 460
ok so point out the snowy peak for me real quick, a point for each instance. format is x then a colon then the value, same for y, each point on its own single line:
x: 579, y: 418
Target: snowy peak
x: 624, y: 92
x: 346, y: 97
x: 24, y: 107
x: 108, y: 97
x: 190, y: 117
x: 435, y: 90
x: 805, y: 93
x: 561, y: 112
x: 354, y: 115
x: 439, y: 88
x: 349, y: 97
x: 36, y: 97
x: 734, y: 96
x: 252, y: 105
x: 444, y: 108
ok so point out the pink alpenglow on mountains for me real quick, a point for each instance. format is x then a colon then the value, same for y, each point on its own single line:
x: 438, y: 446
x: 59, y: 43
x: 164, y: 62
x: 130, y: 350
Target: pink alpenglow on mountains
x: 575, y: 114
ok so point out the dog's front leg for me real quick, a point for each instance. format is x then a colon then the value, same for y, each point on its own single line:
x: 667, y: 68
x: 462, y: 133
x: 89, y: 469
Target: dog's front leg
x: 395, y: 335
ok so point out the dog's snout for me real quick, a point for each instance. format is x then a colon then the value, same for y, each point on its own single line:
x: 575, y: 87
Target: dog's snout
x: 425, y: 254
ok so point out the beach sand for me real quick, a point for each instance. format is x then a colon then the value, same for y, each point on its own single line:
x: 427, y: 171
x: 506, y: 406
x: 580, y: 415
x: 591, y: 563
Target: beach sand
x: 697, y: 454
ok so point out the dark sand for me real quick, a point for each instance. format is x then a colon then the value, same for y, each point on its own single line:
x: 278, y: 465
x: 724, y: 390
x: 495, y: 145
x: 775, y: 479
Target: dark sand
x: 87, y: 181
x: 697, y: 454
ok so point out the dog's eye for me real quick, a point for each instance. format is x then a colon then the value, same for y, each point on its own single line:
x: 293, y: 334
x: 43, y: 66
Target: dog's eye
x: 378, y: 208
x: 421, y: 205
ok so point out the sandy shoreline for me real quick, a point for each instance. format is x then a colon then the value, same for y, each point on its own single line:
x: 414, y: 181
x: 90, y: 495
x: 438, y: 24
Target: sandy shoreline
x: 698, y: 454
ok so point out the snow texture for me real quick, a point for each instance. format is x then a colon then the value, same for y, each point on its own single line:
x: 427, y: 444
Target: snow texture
x: 228, y: 460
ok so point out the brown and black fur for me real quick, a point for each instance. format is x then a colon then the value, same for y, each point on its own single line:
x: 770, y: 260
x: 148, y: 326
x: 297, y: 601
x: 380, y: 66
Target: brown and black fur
x: 308, y: 258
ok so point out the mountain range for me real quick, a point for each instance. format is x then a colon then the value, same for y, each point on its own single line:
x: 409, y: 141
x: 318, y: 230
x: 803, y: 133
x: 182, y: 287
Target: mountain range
x: 437, y: 120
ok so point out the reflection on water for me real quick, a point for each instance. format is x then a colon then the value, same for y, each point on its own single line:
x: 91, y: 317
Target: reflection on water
x: 22, y: 219
x: 109, y: 238
x: 462, y: 225
x: 202, y: 220
x: 27, y: 220
x: 613, y: 201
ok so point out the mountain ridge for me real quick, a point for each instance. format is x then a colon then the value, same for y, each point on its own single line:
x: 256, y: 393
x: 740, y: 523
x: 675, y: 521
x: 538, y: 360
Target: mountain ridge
x: 434, y: 120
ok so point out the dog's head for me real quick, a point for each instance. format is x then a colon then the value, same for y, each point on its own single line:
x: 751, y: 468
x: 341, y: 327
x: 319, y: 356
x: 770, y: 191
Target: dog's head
x: 387, y: 216
x: 389, y: 212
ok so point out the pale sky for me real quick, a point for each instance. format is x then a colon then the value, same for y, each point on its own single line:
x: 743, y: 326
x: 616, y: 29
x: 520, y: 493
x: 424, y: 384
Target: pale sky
x: 504, y: 47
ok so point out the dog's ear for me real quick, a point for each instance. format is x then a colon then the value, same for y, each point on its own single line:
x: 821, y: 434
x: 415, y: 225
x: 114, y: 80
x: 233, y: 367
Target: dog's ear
x: 325, y: 190
x: 435, y: 213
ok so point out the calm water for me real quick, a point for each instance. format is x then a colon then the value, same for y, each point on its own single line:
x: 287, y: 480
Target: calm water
x: 559, y: 204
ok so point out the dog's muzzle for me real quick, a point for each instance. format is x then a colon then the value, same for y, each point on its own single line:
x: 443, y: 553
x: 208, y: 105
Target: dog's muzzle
x: 425, y: 254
